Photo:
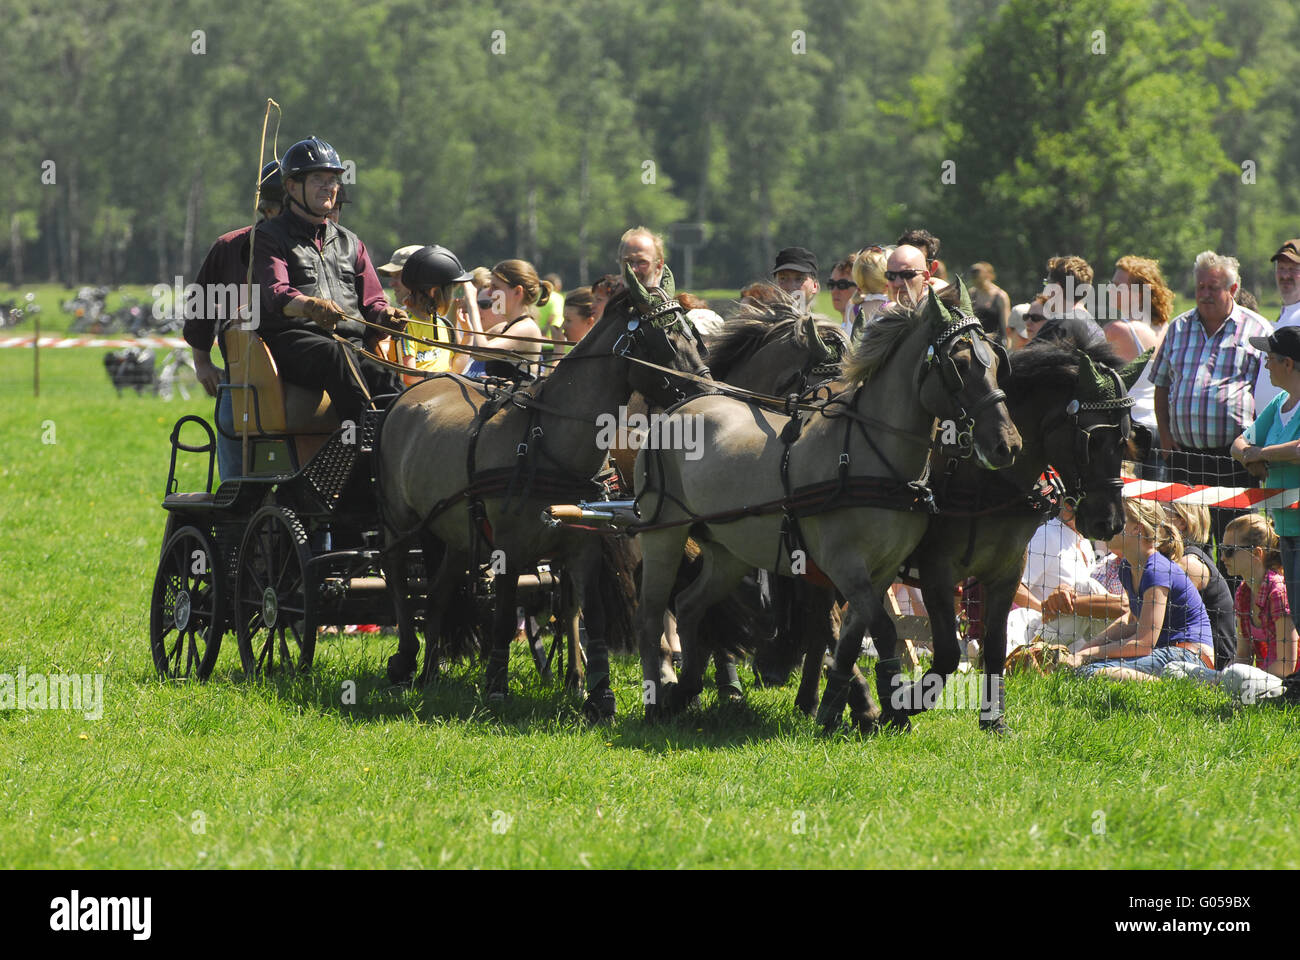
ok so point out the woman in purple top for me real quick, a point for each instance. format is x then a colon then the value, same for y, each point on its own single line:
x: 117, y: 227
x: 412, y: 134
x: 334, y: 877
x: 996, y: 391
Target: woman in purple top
x: 1166, y: 620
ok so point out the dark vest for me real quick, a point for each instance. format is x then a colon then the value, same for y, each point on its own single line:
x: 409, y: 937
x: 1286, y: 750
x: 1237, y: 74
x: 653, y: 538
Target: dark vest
x: 329, y: 273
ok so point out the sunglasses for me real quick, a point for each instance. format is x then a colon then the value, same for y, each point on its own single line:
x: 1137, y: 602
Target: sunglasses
x: 1228, y: 549
x: 902, y: 274
x: 841, y: 284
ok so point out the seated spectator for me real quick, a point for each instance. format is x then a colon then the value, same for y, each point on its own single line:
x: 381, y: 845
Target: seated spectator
x: 1270, y: 447
x: 1267, y: 631
x: 1192, y: 521
x: 1166, y: 622
x: 1056, y: 579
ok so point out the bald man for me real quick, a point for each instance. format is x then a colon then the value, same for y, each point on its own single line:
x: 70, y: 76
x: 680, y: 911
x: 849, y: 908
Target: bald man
x: 907, y: 274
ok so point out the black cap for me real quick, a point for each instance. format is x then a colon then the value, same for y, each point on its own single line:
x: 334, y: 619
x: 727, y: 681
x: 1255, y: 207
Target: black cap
x: 308, y: 155
x: 1283, y: 340
x: 796, y: 258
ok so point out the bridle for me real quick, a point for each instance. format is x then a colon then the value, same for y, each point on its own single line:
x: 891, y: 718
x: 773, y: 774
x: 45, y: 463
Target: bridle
x: 1076, y: 493
x: 986, y: 352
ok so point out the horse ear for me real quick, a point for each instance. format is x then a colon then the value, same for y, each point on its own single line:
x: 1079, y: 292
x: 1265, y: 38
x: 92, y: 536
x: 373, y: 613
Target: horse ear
x: 668, y: 284
x: 935, y: 312
x: 963, y: 299
x: 813, y: 337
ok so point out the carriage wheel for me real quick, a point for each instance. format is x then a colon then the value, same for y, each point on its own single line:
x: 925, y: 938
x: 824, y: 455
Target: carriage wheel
x: 274, y: 615
x: 187, y: 613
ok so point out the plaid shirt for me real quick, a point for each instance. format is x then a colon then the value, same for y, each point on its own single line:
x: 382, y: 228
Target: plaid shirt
x: 1211, y: 380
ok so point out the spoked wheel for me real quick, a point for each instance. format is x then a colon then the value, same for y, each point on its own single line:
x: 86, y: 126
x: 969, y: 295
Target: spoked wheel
x: 275, y: 619
x: 187, y: 613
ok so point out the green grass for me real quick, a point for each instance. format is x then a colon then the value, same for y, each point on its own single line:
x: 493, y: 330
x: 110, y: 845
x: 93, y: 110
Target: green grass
x: 287, y: 774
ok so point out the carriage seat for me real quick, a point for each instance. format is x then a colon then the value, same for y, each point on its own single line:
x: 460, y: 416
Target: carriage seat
x: 286, y: 423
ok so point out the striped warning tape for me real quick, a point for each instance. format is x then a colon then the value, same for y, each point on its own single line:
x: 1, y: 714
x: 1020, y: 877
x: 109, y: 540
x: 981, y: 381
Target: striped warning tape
x: 1239, y: 498
x: 60, y: 342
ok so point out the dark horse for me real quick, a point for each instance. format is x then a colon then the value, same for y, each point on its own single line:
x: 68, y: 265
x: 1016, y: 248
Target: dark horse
x: 467, y: 470
x: 1072, y: 413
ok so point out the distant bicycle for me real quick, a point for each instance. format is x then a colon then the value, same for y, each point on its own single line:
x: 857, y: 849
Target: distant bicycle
x: 14, y: 312
x: 177, y: 373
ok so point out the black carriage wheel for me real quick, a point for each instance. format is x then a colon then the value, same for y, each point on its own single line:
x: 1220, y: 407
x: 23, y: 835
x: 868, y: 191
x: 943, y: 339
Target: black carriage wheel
x: 275, y: 618
x: 187, y: 612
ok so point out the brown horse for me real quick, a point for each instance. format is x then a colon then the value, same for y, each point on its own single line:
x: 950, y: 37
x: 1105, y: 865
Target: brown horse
x: 869, y: 443
x: 467, y: 469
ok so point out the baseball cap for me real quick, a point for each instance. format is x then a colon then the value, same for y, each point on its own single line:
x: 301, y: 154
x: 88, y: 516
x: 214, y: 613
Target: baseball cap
x: 796, y: 258
x: 398, y: 259
x: 1284, y: 341
x: 1290, y: 250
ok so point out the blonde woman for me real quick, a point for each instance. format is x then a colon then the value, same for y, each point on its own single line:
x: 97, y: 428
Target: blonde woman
x: 1166, y: 622
x: 1193, y: 523
x: 869, y: 274
x: 1267, y: 634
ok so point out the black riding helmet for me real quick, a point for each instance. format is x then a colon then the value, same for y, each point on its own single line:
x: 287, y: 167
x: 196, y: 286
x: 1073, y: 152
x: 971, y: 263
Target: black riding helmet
x: 432, y: 266
x: 308, y: 156
x: 271, y: 185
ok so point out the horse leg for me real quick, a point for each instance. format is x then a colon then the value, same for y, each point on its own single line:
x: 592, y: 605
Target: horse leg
x: 401, y: 665
x: 496, y: 679
x: 816, y: 605
x: 573, y: 615
x: 719, y: 577
x: 998, y: 597
x: 599, y: 704
x: 938, y: 576
x: 889, y: 682
x: 441, y: 594
x: 661, y: 556
x: 864, y: 607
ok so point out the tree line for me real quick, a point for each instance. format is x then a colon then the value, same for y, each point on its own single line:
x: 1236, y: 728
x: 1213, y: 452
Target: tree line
x: 1013, y: 129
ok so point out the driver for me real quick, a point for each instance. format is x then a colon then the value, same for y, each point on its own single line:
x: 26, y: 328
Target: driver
x: 315, y: 275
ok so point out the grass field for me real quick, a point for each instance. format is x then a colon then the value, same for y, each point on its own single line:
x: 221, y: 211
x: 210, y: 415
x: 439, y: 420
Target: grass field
x: 234, y: 773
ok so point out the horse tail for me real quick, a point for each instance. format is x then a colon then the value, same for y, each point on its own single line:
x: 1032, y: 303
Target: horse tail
x: 620, y: 566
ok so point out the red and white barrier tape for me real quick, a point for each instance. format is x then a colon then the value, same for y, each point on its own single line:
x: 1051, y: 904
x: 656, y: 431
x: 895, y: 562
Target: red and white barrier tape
x: 1239, y: 498
x: 60, y: 342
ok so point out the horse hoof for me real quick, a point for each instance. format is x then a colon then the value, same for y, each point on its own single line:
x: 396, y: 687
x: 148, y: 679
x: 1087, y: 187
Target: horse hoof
x: 771, y: 680
x: 600, y: 706
x: 401, y: 671
x: 895, y: 722
x: 997, y: 726
x: 730, y: 695
x: 496, y: 698
x: 866, y: 721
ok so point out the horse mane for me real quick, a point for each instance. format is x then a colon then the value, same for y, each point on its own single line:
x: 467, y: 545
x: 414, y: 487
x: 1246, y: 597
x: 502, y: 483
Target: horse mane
x: 755, y: 324
x: 1045, y: 362
x: 884, y: 333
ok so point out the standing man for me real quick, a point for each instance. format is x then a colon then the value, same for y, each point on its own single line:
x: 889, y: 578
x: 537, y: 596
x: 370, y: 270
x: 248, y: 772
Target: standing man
x: 992, y: 304
x: 1205, y: 377
x: 795, y: 272
x: 1286, y: 264
x: 227, y: 264
x: 314, y: 275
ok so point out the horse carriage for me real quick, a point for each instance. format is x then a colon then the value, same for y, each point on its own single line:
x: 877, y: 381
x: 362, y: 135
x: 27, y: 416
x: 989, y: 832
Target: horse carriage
x: 381, y: 521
